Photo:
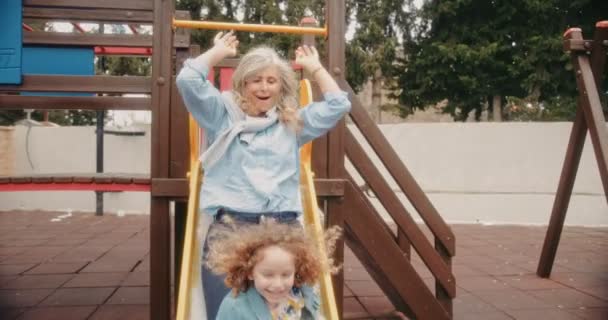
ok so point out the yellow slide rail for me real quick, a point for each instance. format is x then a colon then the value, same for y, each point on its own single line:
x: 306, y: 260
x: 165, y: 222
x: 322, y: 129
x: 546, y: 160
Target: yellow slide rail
x: 311, y: 214
x: 190, y: 269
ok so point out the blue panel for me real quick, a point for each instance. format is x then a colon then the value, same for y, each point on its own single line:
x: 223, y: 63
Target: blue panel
x: 10, y: 41
x: 58, y: 60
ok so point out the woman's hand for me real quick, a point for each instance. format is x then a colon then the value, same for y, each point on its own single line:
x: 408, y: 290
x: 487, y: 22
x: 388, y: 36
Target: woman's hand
x: 308, y: 58
x: 225, y: 44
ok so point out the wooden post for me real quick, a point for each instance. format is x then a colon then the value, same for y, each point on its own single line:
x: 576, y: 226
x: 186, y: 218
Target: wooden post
x: 160, y: 232
x: 180, y: 153
x: 336, y: 47
x: 589, y: 115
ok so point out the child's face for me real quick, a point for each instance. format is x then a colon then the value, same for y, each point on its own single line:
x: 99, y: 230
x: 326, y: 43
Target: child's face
x: 262, y: 91
x: 273, y: 276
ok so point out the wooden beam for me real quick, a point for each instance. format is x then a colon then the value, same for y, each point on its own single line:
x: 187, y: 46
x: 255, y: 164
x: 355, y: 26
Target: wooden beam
x: 93, y: 84
x: 167, y: 187
x: 70, y: 103
x: 160, y: 224
x: 93, y: 4
x: 88, y: 15
x: 86, y: 39
x: 336, y: 211
x: 586, y: 114
x: 399, y: 214
x: 375, y: 271
x: 367, y: 227
x: 404, y: 179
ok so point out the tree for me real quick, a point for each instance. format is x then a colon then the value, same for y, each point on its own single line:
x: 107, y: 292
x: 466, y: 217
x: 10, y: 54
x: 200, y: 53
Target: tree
x: 472, y: 51
x: 374, y: 48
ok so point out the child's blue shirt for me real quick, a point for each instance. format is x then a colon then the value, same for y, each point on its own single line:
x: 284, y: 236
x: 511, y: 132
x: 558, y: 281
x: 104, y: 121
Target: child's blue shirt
x: 261, y: 174
x: 250, y: 305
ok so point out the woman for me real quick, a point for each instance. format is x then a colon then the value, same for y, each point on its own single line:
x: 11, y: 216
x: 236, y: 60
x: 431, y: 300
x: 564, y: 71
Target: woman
x: 251, y: 168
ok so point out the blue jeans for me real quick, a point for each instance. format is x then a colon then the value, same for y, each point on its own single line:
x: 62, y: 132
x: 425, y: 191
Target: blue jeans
x: 213, y: 285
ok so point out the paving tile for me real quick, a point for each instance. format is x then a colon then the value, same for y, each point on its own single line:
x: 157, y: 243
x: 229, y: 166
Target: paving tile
x: 96, y: 280
x: 566, y: 298
x: 347, y: 292
x: 130, y: 295
x: 13, y: 269
x: 492, y: 315
x: 58, y: 313
x: 353, y: 309
x: 137, y: 279
x: 121, y: 312
x: 471, y: 304
x: 22, y: 297
x: 78, y: 296
x: 600, y: 292
x: 530, y: 282
x: 110, y: 265
x: 82, y: 253
x: 57, y: 268
x: 38, y: 281
x: 5, y: 279
x: 512, y: 300
x: 66, y: 242
x: 591, y: 313
x: 355, y: 273
x: 144, y: 265
x: 10, y: 313
x: 535, y: 314
x: 481, y: 283
x: 364, y: 288
x: 581, y: 279
x: 377, y: 305
x: 499, y: 269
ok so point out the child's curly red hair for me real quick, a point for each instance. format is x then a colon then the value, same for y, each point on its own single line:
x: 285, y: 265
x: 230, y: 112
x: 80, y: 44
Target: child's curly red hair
x: 235, y: 250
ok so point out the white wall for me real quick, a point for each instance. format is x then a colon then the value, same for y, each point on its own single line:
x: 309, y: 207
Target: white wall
x: 472, y: 172
x: 59, y: 150
x: 496, y: 172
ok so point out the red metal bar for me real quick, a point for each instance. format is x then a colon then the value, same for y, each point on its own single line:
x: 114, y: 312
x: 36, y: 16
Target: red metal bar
x: 123, y: 51
x: 109, y: 187
x: 26, y: 27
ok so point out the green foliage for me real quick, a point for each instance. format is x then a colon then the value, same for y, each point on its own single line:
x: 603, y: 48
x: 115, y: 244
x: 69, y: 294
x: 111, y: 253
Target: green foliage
x: 375, y: 44
x: 529, y: 109
x: 471, y: 50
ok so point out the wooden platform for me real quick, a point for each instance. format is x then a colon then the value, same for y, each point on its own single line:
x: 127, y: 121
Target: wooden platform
x: 76, y: 182
x: 55, y: 266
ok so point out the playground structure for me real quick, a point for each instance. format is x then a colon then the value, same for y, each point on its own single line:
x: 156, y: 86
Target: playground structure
x: 384, y: 253
x: 588, y: 59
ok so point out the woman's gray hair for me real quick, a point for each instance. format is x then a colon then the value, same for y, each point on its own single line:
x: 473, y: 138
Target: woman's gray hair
x: 255, y: 61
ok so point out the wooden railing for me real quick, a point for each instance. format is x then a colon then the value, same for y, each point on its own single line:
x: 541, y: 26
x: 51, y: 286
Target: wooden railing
x: 384, y: 253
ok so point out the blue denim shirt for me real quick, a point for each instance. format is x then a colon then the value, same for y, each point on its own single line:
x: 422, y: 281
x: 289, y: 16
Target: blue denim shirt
x: 262, y: 175
x: 250, y: 305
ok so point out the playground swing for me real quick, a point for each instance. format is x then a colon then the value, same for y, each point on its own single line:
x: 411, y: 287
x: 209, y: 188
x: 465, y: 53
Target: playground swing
x: 190, y: 277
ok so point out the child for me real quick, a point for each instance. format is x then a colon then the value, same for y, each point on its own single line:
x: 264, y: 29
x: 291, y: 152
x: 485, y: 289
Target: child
x: 270, y: 268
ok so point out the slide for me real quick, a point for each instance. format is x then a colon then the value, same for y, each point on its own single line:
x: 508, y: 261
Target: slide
x: 190, y: 303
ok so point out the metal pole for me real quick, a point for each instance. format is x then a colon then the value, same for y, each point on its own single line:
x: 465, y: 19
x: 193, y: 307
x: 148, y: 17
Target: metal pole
x: 99, y: 161
x: 248, y: 27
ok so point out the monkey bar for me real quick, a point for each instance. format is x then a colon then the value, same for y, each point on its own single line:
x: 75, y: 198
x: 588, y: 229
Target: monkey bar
x: 191, y: 24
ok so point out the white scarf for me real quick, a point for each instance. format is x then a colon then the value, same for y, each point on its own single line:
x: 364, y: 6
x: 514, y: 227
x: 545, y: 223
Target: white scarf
x: 242, y: 125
